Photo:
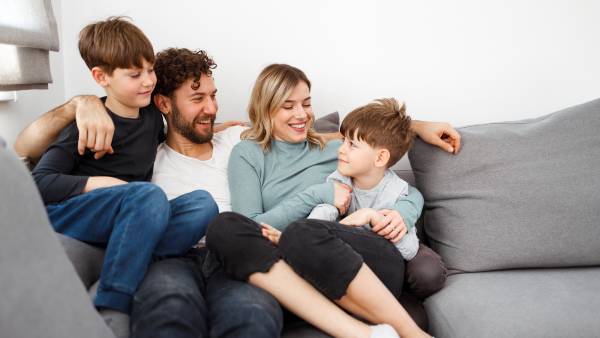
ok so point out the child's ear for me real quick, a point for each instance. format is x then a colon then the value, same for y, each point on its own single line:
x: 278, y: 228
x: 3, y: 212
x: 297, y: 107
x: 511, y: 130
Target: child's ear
x: 383, y: 157
x: 100, y: 76
x: 163, y: 104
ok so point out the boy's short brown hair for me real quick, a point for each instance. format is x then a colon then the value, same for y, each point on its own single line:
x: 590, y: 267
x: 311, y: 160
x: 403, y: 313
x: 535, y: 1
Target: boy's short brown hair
x: 114, y: 43
x: 381, y: 124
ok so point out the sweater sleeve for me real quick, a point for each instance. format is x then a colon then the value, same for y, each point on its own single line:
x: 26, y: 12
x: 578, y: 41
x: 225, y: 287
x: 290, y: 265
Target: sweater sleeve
x: 246, y: 194
x: 410, y: 207
x: 52, y: 174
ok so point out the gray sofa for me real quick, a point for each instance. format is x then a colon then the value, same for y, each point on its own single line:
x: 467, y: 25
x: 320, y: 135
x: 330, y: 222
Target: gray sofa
x: 516, y: 216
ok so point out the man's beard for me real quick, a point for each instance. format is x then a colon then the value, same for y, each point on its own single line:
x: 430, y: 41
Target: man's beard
x: 188, y: 130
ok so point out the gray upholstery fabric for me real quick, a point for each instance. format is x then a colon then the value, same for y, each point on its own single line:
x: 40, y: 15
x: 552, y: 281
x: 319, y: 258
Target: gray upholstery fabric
x: 520, y: 303
x: 329, y: 123
x: 519, y: 195
x: 86, y: 259
x: 41, y: 294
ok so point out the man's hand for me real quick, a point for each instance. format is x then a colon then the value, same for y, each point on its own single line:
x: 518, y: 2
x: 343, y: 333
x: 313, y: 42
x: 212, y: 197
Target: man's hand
x: 342, y: 197
x: 270, y: 233
x: 439, y: 134
x: 222, y: 126
x: 361, y: 217
x: 390, y: 226
x: 96, y: 128
x: 97, y: 182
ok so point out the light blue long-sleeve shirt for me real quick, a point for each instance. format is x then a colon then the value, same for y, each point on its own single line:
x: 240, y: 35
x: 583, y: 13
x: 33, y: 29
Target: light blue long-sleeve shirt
x: 285, y: 183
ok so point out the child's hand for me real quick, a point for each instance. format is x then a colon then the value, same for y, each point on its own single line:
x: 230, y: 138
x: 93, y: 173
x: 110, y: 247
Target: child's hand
x: 390, y: 226
x: 342, y: 197
x: 360, y: 217
x: 270, y: 233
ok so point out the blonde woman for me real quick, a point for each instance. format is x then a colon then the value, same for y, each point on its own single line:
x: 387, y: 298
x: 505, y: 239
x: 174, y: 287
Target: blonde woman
x: 276, y: 177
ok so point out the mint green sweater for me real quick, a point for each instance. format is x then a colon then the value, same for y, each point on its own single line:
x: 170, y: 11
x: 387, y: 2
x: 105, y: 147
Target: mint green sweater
x: 284, y: 184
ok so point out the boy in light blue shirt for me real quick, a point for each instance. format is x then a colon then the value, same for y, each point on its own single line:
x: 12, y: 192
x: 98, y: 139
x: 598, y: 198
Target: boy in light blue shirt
x: 376, y: 136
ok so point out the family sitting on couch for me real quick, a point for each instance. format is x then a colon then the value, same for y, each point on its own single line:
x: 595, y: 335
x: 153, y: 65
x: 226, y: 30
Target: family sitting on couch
x: 328, y: 245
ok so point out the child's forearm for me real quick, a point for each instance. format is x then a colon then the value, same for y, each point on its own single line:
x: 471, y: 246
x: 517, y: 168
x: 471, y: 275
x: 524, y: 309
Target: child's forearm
x: 97, y: 182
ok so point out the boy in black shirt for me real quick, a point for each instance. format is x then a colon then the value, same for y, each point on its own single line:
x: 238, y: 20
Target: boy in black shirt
x: 91, y: 200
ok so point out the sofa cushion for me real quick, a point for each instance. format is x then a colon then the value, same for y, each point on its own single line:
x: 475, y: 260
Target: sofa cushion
x: 518, y: 195
x: 520, y: 303
x: 86, y: 259
x: 329, y: 123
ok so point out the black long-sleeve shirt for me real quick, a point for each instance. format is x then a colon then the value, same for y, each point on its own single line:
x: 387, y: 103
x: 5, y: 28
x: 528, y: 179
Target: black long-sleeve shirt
x: 62, y: 173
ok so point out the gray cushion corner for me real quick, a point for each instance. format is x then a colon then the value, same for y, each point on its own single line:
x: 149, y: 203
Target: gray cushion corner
x: 329, y: 123
x: 520, y: 194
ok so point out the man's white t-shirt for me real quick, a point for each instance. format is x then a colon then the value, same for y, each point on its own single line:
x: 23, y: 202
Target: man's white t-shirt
x: 178, y: 174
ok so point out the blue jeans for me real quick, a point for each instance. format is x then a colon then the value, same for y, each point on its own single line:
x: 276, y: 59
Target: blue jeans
x: 135, y: 222
x: 175, y: 300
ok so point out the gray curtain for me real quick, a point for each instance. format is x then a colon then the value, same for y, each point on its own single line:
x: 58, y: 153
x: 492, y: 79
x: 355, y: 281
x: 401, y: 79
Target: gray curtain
x: 28, y: 32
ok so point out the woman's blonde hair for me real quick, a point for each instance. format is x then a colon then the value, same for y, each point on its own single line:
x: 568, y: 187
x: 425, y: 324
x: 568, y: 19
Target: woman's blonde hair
x: 272, y: 87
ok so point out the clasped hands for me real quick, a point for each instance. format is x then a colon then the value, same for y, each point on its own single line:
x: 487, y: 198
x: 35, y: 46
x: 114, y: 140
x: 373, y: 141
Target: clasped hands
x: 387, y: 223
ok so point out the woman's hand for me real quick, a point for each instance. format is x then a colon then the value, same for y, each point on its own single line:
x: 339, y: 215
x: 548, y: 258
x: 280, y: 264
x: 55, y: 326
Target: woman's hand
x: 390, y: 226
x: 342, y: 197
x: 222, y: 126
x: 439, y: 134
x: 270, y: 233
x: 361, y: 217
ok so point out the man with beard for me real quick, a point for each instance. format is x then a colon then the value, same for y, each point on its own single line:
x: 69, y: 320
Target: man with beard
x: 180, y: 297
x: 176, y: 299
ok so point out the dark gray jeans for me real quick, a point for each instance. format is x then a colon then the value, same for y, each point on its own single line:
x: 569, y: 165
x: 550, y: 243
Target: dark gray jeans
x: 175, y: 300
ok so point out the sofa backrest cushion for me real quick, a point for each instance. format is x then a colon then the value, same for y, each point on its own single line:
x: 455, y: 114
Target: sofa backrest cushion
x: 523, y: 194
x: 329, y: 123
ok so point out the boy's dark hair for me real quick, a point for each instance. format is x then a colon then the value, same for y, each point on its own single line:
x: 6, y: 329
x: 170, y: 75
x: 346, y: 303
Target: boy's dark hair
x: 114, y: 43
x: 382, y: 124
x: 174, y: 66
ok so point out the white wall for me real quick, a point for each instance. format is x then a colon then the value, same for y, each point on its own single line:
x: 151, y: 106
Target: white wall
x: 460, y: 61
x: 14, y: 116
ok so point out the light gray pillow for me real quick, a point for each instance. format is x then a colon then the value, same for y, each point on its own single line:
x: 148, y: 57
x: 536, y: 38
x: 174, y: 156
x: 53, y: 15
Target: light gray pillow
x: 520, y: 194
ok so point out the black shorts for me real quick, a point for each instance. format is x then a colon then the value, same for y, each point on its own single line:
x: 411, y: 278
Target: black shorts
x: 326, y: 254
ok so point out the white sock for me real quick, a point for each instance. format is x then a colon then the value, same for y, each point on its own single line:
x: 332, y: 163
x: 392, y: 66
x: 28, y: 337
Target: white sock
x: 383, y: 331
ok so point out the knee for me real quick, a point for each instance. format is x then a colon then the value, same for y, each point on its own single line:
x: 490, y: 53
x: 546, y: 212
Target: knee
x: 300, y: 235
x: 202, y: 202
x: 226, y: 229
x: 148, y: 195
x: 199, y: 207
x: 164, y: 288
x: 147, y: 191
x: 166, y: 304
x: 151, y: 204
x: 247, y: 310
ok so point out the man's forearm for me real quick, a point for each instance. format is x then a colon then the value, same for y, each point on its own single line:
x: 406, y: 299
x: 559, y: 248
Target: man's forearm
x: 36, y: 137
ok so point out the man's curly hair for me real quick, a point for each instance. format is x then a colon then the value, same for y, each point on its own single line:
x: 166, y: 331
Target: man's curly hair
x: 174, y: 66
